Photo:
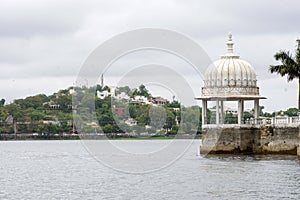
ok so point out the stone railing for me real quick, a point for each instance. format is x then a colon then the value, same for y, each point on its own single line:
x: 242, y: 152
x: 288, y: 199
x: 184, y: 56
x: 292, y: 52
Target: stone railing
x: 278, y: 120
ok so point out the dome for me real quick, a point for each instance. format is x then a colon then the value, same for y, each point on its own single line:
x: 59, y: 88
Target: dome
x: 230, y: 72
x: 230, y: 76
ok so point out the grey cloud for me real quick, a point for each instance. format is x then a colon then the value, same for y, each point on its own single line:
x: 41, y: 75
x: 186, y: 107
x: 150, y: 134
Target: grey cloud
x: 37, y: 18
x: 44, y: 18
x: 51, y: 39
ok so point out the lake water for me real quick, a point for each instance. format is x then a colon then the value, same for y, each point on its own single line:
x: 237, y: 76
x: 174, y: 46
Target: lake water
x: 67, y: 170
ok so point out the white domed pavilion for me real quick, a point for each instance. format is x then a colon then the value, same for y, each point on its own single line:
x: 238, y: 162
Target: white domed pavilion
x: 230, y: 79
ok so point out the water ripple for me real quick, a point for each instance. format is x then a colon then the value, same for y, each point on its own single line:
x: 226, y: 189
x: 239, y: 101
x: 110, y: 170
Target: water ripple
x: 64, y: 170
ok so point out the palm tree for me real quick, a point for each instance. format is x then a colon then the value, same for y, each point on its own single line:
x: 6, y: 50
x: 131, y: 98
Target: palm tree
x: 290, y: 66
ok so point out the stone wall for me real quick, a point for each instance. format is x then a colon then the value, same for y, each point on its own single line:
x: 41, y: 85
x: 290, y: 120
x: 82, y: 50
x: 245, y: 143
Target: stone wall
x: 234, y: 139
x: 230, y: 140
x: 298, y: 147
x: 278, y: 140
x: 298, y: 152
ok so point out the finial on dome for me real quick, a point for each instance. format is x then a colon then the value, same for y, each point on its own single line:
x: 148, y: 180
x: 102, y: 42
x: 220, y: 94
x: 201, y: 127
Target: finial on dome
x: 229, y: 36
x: 229, y: 43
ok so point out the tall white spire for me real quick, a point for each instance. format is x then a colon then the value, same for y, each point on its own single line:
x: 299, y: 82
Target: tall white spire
x: 102, y: 80
x: 230, y: 44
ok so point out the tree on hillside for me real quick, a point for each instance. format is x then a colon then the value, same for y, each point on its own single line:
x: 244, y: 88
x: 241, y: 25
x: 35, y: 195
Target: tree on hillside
x: 15, y: 111
x: 174, y: 104
x: 157, y: 116
x: 2, y: 102
x: 124, y: 89
x: 190, y: 120
x: 65, y: 101
x: 290, y: 66
x: 32, y: 101
x: 142, y: 91
x: 291, y: 112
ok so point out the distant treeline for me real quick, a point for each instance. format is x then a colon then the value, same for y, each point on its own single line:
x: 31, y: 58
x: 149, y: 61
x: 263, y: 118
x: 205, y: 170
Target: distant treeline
x: 54, y: 114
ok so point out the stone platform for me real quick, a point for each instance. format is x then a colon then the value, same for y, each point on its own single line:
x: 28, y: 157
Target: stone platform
x: 250, y: 139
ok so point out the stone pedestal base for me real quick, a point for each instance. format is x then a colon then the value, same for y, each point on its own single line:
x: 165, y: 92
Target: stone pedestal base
x: 245, y: 139
x: 228, y: 140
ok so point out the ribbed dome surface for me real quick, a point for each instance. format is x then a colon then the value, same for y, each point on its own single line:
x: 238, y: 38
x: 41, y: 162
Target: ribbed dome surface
x: 230, y: 71
x: 230, y: 76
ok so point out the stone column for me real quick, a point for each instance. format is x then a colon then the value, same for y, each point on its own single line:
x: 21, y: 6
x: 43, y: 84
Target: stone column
x: 217, y: 112
x: 204, y: 112
x: 222, y: 111
x: 240, y: 111
x: 256, y: 110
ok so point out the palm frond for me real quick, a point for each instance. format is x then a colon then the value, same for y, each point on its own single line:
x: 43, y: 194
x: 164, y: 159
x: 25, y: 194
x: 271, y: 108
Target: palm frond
x: 288, y: 67
x: 291, y: 77
x: 285, y: 57
x: 297, y: 56
x: 279, y: 69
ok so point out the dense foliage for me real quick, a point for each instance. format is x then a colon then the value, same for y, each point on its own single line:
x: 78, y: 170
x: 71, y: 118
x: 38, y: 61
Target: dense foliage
x: 34, y: 114
x: 53, y: 114
x: 56, y: 114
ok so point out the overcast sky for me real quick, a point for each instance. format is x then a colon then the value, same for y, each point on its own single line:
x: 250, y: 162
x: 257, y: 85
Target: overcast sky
x: 44, y: 43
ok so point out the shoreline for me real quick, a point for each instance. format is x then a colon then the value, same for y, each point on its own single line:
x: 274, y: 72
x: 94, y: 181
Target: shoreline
x: 30, y: 137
